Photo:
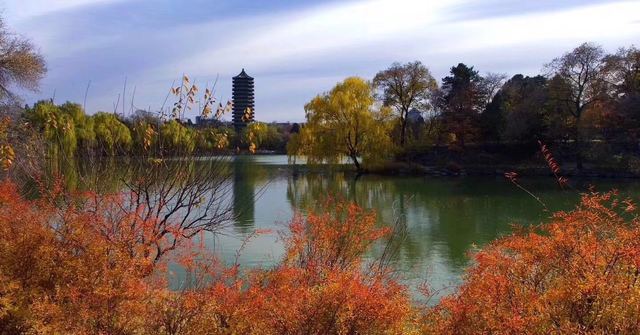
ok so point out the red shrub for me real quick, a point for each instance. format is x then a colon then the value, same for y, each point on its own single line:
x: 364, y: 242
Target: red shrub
x: 579, y: 274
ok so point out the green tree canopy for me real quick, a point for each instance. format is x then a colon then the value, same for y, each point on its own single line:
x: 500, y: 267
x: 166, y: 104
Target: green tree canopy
x: 57, y: 127
x: 517, y: 112
x: 112, y: 136
x: 177, y: 138
x: 461, y: 100
x: 83, y: 124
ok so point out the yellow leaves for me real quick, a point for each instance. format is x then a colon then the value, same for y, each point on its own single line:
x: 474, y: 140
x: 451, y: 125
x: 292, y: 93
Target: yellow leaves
x: 206, y: 111
x: 52, y: 121
x: 7, y: 156
x: 149, y: 134
x: 221, y: 141
x: 248, y: 115
x: 252, y: 141
x: 343, y: 123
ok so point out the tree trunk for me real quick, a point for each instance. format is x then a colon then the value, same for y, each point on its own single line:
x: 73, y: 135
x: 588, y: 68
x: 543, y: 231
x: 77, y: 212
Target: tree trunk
x: 578, y: 146
x: 403, y: 127
x: 354, y: 158
x: 578, y: 153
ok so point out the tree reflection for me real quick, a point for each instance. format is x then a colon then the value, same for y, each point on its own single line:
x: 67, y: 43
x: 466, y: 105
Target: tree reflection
x: 436, y: 220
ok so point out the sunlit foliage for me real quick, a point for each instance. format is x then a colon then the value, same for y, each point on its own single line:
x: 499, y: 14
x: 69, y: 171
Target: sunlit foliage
x: 344, y: 123
x: 112, y: 136
x: 86, y: 269
x: 56, y: 126
x: 177, y: 138
x: 576, y: 275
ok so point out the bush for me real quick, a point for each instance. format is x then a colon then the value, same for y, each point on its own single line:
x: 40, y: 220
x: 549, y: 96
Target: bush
x: 75, y: 264
x: 576, y: 275
x: 79, y: 268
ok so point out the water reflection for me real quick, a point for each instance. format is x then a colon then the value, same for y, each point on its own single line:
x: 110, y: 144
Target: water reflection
x: 440, y: 219
x: 243, y: 194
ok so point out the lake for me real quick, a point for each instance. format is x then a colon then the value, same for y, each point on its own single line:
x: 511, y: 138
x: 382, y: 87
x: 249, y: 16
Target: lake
x: 442, y: 219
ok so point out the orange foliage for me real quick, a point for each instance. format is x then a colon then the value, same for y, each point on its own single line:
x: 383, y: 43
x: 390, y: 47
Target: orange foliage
x: 61, y: 273
x: 321, y: 286
x: 78, y: 265
x: 576, y: 275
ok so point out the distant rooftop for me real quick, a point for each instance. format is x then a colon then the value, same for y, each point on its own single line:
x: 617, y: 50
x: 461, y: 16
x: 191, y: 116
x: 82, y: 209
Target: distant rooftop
x: 243, y: 75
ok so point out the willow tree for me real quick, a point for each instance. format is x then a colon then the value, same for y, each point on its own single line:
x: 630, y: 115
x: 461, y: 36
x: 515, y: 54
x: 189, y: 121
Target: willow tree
x: 344, y: 123
x: 112, y: 136
x: 56, y: 126
x: 177, y: 139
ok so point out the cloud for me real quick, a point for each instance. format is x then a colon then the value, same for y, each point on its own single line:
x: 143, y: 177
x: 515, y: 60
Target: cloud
x: 470, y: 10
x: 297, y: 52
x: 18, y: 10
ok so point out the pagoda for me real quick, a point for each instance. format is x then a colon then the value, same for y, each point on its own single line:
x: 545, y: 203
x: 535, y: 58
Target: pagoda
x: 243, y: 99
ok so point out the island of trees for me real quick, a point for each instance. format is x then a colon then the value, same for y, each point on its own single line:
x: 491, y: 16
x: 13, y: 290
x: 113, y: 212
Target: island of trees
x: 585, y: 105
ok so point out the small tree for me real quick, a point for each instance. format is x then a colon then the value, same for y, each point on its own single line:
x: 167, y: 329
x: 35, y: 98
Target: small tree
x: 582, y: 75
x: 623, y: 71
x: 20, y: 64
x: 462, y: 98
x: 342, y: 123
x: 405, y: 86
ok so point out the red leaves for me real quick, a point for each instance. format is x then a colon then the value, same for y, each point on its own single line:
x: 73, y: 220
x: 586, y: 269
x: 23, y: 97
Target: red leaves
x: 511, y: 176
x: 80, y: 270
x: 84, y: 269
x: 553, y: 165
x: 577, y: 274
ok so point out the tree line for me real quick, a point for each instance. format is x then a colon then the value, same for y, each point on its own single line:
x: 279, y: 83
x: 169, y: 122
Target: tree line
x: 68, y: 130
x: 583, y: 97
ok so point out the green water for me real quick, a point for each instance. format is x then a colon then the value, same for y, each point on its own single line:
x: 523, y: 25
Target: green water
x: 443, y: 219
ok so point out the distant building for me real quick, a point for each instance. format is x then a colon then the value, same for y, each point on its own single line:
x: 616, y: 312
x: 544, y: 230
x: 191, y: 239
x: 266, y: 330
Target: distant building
x: 207, y: 122
x: 415, y: 116
x: 243, y: 99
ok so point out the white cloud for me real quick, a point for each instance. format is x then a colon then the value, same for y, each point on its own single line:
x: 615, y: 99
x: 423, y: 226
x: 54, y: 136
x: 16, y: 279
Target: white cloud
x: 298, y: 53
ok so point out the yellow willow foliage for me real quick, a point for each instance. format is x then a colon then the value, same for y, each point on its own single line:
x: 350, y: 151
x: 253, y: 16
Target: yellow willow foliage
x: 344, y: 123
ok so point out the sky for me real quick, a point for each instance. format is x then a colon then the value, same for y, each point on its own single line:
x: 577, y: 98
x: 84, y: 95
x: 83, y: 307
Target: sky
x: 294, y: 49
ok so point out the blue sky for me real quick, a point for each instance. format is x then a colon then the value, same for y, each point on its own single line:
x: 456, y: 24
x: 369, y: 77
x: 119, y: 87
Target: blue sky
x: 295, y: 49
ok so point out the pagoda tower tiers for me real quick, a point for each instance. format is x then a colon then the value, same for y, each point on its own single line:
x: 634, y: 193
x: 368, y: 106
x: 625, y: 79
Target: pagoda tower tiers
x: 242, y: 99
